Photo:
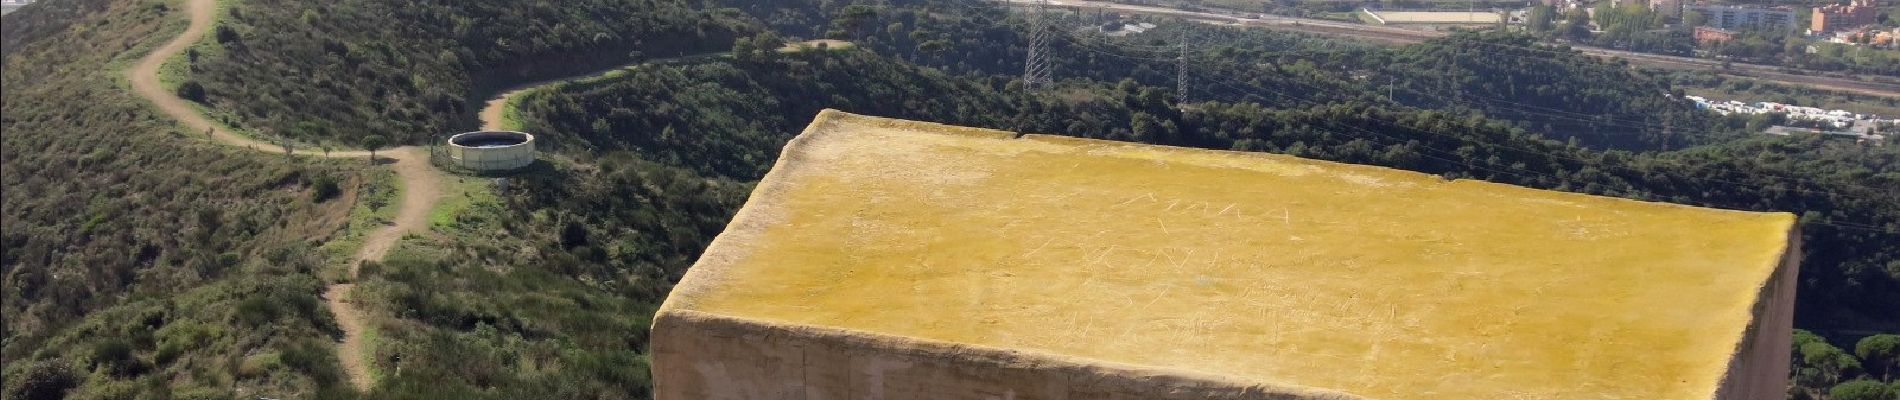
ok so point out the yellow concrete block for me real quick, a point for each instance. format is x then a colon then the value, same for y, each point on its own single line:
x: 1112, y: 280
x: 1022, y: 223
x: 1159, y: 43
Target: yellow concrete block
x: 876, y: 245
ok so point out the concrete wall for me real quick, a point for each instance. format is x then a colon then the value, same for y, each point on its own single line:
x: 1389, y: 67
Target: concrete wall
x: 1759, y: 370
x: 492, y: 158
x: 702, y: 356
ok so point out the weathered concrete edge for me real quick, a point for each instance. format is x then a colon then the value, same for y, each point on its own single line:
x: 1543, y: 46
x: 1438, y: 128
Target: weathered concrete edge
x: 1735, y: 381
x: 1107, y: 375
x: 761, y: 208
x: 746, y: 226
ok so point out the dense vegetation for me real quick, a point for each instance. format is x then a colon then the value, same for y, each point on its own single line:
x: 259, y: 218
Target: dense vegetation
x: 1553, y: 90
x: 1863, y: 371
x: 407, y: 70
x: 544, y: 287
x: 546, y: 292
x: 140, y: 260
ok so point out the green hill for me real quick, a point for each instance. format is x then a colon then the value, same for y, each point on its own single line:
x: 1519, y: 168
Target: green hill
x: 335, y: 71
x: 138, y: 258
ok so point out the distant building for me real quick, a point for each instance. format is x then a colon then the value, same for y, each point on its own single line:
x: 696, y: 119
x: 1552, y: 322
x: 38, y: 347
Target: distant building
x: 1841, y: 17
x: 1737, y: 17
x: 1878, y: 38
x: 1706, y: 35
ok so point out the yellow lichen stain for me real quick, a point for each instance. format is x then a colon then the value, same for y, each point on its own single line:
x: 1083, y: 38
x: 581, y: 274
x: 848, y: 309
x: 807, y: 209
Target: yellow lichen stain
x: 1383, y: 283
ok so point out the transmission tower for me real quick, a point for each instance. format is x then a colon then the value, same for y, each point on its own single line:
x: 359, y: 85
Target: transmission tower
x: 1036, y: 66
x: 1181, y: 71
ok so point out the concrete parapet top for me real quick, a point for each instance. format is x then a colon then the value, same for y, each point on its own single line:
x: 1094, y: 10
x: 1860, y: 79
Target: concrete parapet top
x: 1261, y: 268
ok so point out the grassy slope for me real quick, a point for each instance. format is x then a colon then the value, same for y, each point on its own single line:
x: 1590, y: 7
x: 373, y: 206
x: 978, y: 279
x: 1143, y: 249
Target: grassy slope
x: 139, y: 258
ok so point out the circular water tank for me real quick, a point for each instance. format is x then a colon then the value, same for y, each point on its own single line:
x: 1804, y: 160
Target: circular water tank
x: 492, y: 150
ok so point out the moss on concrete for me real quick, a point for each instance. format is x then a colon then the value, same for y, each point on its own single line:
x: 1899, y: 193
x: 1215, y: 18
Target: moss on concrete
x: 1265, y: 268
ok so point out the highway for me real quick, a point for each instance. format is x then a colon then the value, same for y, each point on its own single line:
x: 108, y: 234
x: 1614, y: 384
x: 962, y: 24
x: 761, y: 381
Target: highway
x: 1405, y: 36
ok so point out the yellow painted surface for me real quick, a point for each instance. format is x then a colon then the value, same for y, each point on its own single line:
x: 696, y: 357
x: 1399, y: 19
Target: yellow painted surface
x: 1378, y: 282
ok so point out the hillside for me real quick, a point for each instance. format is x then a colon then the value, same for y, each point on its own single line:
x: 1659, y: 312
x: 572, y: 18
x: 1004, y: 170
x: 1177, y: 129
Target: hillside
x: 743, y: 109
x: 1557, y: 92
x: 409, y: 70
x: 139, y: 258
x: 209, y: 261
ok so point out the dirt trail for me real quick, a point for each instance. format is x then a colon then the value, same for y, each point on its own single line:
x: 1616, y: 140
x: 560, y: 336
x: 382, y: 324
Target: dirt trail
x: 421, y: 182
x: 491, y: 114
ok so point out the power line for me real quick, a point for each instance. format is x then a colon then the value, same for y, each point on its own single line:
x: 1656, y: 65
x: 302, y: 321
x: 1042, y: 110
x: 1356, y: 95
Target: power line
x: 1592, y: 120
x: 1181, y: 72
x: 1521, y: 172
x: 1763, y: 175
x: 1180, y: 47
x: 1580, y: 161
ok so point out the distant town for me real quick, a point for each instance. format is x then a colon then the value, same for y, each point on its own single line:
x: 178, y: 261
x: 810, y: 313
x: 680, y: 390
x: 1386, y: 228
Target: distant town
x: 1853, y: 23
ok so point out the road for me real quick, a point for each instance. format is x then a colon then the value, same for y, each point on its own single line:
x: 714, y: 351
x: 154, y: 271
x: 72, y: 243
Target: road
x: 421, y: 182
x: 1404, y: 36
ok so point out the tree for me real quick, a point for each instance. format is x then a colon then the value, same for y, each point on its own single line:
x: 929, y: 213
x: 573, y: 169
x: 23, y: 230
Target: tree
x: 373, y: 143
x: 226, y: 35
x: 1880, y: 351
x: 1831, y: 363
x: 115, y: 357
x: 1576, y: 25
x: 758, y: 48
x: 1694, y: 18
x: 45, y: 380
x: 1542, y: 18
x: 1862, y: 389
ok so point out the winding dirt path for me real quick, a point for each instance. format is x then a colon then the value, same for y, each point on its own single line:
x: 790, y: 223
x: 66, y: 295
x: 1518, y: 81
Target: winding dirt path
x: 492, y: 117
x: 421, y: 183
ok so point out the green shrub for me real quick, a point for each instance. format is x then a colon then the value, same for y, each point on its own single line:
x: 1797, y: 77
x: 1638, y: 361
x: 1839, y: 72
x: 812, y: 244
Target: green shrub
x: 192, y: 90
x: 324, y: 189
x: 44, y: 380
x: 1863, y: 389
x: 256, y: 311
x: 115, y: 357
